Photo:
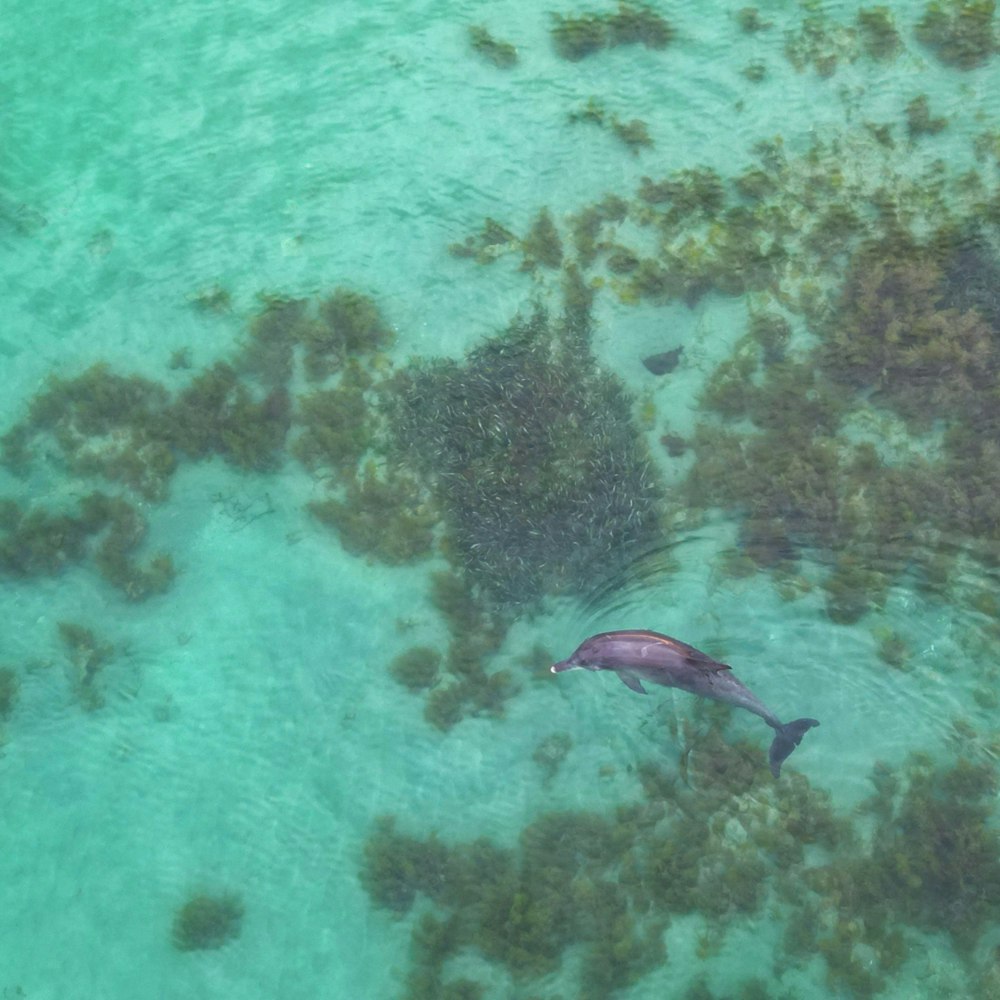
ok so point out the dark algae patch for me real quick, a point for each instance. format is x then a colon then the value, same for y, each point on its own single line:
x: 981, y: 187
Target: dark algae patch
x: 961, y: 33
x: 417, y: 668
x: 575, y: 37
x: 501, y: 54
x: 87, y: 656
x: 932, y: 865
x: 10, y: 685
x: 119, y: 439
x: 207, y: 922
x: 903, y: 339
x: 632, y: 133
x: 724, y: 846
x: 603, y: 887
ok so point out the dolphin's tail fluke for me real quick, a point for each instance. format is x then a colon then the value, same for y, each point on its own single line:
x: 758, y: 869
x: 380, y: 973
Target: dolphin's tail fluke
x: 786, y: 739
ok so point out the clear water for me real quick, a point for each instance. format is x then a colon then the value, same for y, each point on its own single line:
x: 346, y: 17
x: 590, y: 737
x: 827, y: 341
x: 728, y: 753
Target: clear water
x: 244, y: 734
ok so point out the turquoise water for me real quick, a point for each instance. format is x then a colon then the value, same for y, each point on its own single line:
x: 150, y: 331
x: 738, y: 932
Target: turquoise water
x: 233, y: 730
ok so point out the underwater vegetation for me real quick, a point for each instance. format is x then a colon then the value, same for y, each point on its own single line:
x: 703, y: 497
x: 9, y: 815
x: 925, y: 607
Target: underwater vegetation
x: 10, y: 684
x: 959, y: 32
x: 467, y: 686
x: 577, y: 37
x: 908, y: 329
x: 88, y: 655
x: 879, y: 36
x: 417, y: 668
x: 214, y: 299
x: 104, y: 428
x: 718, y: 841
x: 587, y: 227
x: 936, y: 858
x: 130, y: 430
x: 819, y: 42
x: 750, y: 21
x: 634, y: 134
x: 542, y: 244
x: 823, y: 42
x: 387, y: 516
x: 207, y: 922
x: 918, y: 118
x: 349, y: 324
x: 36, y: 542
x: 492, y: 241
x: 216, y: 414
x: 550, y: 754
x: 127, y: 430
x: 606, y: 884
x: 335, y: 429
x: 930, y: 864
x: 798, y: 484
x: 503, y: 55
x: 518, y: 908
x: 124, y: 530
x: 100, y: 424
x: 267, y: 352
x: 755, y: 71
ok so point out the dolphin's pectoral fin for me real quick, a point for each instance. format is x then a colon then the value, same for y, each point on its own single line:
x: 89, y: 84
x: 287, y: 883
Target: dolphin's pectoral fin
x: 633, y: 682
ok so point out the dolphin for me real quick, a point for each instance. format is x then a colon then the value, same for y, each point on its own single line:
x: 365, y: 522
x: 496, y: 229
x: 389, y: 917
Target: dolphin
x: 638, y: 655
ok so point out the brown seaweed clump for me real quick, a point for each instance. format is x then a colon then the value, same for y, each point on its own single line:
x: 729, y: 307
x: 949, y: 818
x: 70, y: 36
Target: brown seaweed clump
x: 603, y: 886
x: 207, y: 922
x: 959, y: 32
x: 577, y: 37
x: 896, y: 335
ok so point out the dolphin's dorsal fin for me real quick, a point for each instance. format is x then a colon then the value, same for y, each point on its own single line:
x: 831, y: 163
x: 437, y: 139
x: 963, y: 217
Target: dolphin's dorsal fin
x: 631, y: 681
x: 707, y: 665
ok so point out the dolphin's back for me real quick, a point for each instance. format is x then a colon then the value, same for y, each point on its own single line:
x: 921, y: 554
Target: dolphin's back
x: 672, y: 649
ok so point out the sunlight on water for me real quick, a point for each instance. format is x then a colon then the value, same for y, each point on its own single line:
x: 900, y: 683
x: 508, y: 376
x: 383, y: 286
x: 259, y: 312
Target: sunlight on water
x: 362, y: 360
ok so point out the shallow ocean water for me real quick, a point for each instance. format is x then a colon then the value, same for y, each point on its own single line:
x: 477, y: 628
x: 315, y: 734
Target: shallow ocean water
x: 240, y: 734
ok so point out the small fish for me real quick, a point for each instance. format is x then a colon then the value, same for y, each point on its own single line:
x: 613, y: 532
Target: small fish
x: 663, y: 364
x: 638, y: 655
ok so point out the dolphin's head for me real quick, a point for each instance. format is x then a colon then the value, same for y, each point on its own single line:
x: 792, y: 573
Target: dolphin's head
x: 584, y: 656
x: 558, y: 668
